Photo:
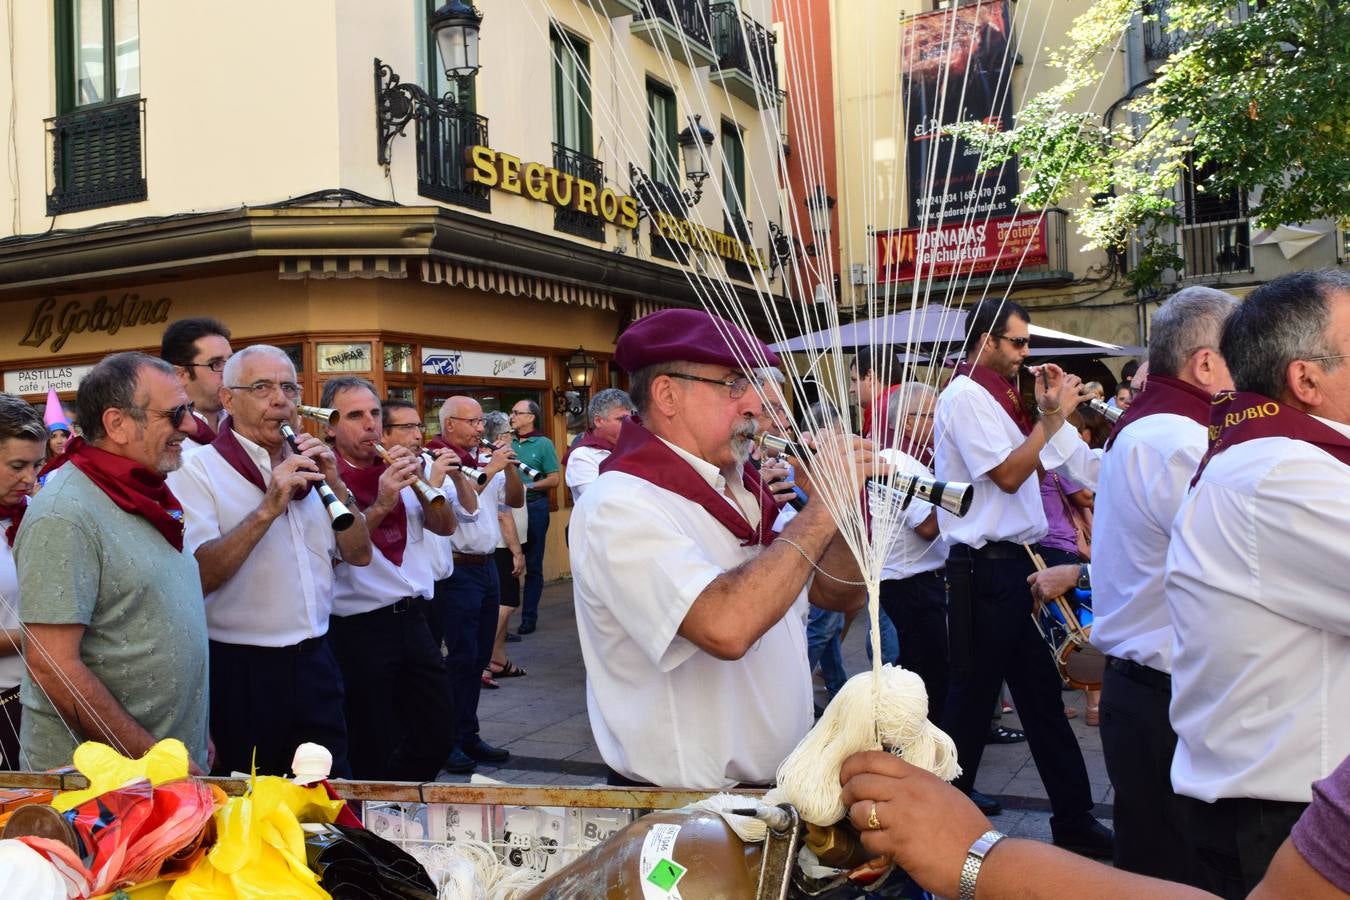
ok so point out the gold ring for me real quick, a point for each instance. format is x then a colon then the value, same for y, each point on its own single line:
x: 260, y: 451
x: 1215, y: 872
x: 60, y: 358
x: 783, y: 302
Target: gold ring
x: 872, y: 822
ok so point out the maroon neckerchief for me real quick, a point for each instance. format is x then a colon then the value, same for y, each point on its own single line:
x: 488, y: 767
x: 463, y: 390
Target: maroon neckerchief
x: 876, y: 424
x: 204, y: 434
x: 1002, y: 390
x: 392, y: 534
x: 129, y: 485
x: 228, y: 446
x: 1162, y: 394
x: 592, y: 440
x: 643, y: 455
x: 466, y: 457
x: 1237, y: 416
x: 15, y: 515
x: 529, y: 434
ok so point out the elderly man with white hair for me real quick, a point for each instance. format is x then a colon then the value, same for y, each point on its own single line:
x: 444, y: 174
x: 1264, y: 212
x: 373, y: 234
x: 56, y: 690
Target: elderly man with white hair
x: 266, y: 550
x: 581, y: 463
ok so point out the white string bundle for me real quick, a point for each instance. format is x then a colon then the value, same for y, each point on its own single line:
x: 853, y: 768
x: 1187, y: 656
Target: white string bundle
x: 885, y: 708
x: 471, y: 870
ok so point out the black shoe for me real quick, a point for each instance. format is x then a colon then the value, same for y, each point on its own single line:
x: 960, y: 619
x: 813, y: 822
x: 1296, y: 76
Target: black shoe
x: 459, y: 763
x: 1094, y: 840
x: 485, y: 752
x: 985, y: 804
x: 525, y: 628
x: 512, y: 638
x: 1000, y: 735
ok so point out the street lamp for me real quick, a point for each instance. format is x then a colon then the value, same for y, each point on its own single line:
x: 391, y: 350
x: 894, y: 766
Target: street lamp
x: 455, y: 27
x: 580, y: 368
x: 696, y: 149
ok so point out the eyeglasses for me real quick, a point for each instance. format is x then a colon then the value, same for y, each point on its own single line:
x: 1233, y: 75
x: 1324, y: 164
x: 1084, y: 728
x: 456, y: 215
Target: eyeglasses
x: 1322, y: 358
x: 175, y: 415
x: 519, y: 412
x: 736, y: 386
x: 1018, y: 342
x: 476, y: 421
x: 262, y: 390
x: 420, y: 426
x: 216, y: 365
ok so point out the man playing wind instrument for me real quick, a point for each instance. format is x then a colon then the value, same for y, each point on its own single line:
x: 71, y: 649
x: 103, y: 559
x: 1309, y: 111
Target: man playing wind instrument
x: 690, y: 609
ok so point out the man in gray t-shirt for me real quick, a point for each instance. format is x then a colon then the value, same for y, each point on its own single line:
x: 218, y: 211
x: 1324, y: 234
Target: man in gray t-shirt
x: 115, y: 626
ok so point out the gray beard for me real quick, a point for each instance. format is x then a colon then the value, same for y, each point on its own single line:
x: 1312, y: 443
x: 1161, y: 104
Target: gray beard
x: 743, y: 439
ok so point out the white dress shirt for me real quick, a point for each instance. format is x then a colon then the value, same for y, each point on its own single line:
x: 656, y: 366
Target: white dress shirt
x: 1145, y: 477
x: 282, y: 594
x: 583, y: 467
x: 363, y: 589
x: 189, y: 445
x: 480, y: 532
x: 663, y: 710
x: 1258, y: 590
x: 972, y: 435
x: 905, y: 553
x: 11, y: 666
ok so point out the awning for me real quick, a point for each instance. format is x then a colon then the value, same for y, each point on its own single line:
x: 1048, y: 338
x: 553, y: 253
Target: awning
x: 499, y: 282
x: 298, y: 268
x: 942, y: 329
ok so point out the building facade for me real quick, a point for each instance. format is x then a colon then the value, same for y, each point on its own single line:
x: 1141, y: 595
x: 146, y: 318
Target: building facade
x: 308, y: 173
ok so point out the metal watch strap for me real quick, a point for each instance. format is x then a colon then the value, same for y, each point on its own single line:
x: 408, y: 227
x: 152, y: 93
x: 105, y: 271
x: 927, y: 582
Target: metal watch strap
x: 1084, y: 577
x: 970, y: 870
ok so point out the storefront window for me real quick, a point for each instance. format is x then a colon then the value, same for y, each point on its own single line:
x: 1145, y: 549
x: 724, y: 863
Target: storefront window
x: 399, y: 358
x: 346, y: 357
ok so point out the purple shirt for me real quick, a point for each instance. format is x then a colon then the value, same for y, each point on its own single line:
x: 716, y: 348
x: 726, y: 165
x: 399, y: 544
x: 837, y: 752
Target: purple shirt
x: 1322, y: 833
x: 1061, y: 534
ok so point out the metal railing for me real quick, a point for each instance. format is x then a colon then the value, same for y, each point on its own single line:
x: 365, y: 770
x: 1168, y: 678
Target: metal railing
x: 587, y: 168
x: 690, y: 16
x: 1216, y: 248
x: 1161, y: 40
x: 97, y: 156
x: 742, y: 43
x: 445, y: 132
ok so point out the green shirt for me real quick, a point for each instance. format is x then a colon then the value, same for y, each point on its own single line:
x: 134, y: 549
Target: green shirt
x: 84, y: 561
x: 538, y: 453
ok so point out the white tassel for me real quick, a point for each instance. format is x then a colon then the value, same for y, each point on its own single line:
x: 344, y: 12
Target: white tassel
x: 894, y: 716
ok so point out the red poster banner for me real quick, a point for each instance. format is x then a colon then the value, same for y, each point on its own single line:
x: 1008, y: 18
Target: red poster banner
x: 996, y: 245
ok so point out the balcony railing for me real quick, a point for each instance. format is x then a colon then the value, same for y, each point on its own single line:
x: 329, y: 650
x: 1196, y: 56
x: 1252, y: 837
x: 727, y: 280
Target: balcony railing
x: 97, y: 157
x: 445, y: 132
x: 745, y: 47
x: 1161, y: 40
x: 679, y: 28
x: 1216, y: 248
x: 587, y: 168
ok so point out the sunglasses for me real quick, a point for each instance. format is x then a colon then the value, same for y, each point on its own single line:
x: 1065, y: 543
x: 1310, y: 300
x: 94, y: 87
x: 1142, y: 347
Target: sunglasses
x: 176, y: 415
x: 1018, y: 342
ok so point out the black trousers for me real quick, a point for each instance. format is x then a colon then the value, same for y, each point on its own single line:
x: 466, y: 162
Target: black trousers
x: 466, y: 610
x: 399, y: 707
x: 1235, y: 840
x: 274, y: 699
x: 918, y: 608
x: 1152, y: 833
x: 1005, y: 646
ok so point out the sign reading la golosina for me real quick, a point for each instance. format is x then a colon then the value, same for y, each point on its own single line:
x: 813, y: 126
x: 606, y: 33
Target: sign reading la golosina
x: 103, y: 314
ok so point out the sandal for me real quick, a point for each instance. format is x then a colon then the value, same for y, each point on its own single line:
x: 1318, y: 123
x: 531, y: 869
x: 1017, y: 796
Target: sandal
x: 509, y: 670
x: 489, y: 681
x: 1070, y: 712
x: 1000, y: 735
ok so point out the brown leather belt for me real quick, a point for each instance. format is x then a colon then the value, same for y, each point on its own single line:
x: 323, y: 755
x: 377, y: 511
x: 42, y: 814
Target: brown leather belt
x: 471, y: 559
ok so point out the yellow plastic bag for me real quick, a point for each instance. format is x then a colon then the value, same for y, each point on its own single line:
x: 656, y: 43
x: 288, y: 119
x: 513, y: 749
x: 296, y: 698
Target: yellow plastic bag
x: 260, y: 846
x: 108, y: 770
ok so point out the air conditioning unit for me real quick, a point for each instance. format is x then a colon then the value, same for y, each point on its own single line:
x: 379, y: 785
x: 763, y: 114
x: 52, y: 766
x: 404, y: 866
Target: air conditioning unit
x: 859, y: 273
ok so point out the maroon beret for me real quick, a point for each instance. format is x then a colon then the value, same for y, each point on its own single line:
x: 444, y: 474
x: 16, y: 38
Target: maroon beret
x: 689, y: 335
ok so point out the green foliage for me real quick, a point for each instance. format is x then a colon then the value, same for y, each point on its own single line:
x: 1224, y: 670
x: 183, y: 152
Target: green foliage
x: 1264, y: 95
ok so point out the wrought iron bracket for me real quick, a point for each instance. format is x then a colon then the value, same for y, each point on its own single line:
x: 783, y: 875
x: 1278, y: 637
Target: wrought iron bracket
x: 396, y: 104
x: 645, y: 188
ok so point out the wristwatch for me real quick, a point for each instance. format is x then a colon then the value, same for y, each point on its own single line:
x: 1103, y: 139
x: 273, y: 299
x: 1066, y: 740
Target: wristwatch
x: 970, y: 871
x: 1084, y: 577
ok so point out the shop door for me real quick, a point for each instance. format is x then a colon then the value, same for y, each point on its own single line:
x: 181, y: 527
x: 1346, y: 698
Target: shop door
x: 493, y: 398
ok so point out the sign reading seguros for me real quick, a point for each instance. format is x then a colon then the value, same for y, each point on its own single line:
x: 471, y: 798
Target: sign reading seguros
x: 494, y: 169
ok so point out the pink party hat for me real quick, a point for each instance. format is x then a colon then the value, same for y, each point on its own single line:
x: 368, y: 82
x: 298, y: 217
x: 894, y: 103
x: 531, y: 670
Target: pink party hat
x: 54, y: 414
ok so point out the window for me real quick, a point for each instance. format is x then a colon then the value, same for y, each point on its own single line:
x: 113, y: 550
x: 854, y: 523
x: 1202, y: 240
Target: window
x: 662, y: 135
x: 571, y: 91
x: 1215, y: 233
x: 733, y: 180
x: 96, y: 136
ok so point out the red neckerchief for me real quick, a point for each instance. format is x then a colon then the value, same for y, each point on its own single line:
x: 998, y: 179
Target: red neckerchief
x: 876, y: 423
x: 392, y: 534
x: 1162, y: 394
x: 1002, y: 390
x: 592, y: 440
x: 529, y: 434
x: 15, y: 515
x: 642, y: 454
x: 129, y: 485
x: 204, y: 434
x: 228, y: 446
x: 466, y: 457
x: 1237, y: 416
